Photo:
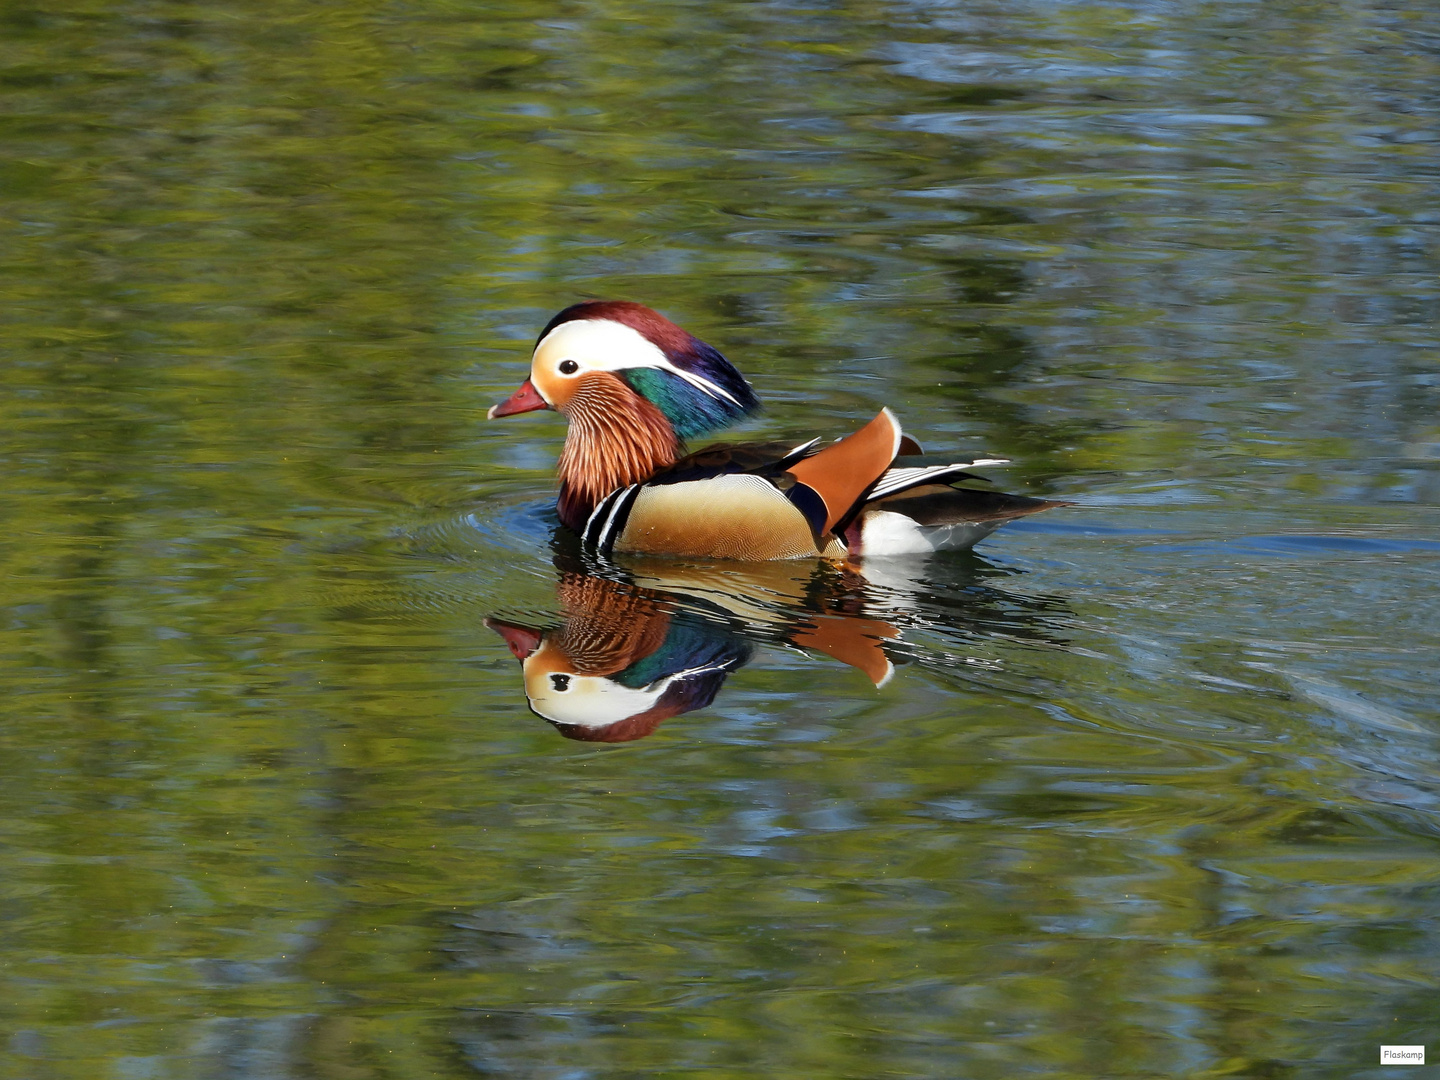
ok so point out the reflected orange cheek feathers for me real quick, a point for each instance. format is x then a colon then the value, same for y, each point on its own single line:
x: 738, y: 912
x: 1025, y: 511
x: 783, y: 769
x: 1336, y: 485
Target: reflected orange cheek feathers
x: 545, y: 661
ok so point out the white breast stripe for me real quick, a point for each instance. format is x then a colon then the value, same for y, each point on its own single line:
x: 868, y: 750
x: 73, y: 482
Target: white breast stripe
x: 897, y: 480
x: 591, y: 531
x: 606, y: 540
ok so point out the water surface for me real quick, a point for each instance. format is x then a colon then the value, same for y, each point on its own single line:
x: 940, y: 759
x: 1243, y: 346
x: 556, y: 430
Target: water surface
x: 1153, y: 788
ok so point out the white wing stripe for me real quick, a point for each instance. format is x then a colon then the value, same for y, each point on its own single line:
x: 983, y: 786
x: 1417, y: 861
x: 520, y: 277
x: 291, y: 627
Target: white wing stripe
x: 797, y: 453
x: 896, y: 480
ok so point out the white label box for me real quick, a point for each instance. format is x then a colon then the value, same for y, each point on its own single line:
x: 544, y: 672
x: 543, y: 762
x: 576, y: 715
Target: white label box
x: 1402, y: 1055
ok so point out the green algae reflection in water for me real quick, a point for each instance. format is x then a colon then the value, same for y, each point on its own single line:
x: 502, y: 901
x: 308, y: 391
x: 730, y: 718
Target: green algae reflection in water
x: 1153, y: 789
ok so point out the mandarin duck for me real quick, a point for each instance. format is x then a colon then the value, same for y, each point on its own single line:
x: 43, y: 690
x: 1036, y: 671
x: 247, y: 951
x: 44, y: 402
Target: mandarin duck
x: 635, y: 387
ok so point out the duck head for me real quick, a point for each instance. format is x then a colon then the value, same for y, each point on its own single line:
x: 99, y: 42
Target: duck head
x: 634, y: 386
x: 620, y: 664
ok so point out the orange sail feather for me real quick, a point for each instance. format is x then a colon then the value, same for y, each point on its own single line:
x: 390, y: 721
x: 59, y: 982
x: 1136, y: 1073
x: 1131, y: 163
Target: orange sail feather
x: 843, y: 472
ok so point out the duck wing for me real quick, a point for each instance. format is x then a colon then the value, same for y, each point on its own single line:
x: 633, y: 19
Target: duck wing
x: 762, y: 501
x: 769, y: 459
x: 754, y: 501
x: 841, y: 475
x: 716, y: 488
x: 914, y: 471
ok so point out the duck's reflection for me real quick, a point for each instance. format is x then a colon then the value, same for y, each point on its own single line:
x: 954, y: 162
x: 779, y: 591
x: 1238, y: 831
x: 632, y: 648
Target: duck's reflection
x: 631, y: 651
x: 622, y: 660
x: 629, y: 654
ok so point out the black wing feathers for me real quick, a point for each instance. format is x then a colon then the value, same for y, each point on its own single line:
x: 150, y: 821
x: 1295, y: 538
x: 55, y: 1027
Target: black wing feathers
x: 763, y: 459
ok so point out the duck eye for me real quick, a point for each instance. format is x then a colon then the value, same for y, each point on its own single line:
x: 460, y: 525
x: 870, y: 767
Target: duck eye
x: 568, y: 367
x: 560, y: 682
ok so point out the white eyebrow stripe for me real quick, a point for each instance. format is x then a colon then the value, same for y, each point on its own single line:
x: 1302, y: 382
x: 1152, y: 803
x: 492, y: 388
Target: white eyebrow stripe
x: 613, y: 346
